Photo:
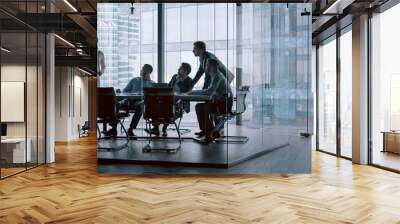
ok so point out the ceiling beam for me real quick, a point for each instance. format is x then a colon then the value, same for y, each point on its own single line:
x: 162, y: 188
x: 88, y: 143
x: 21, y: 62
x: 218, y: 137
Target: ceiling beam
x: 89, y: 30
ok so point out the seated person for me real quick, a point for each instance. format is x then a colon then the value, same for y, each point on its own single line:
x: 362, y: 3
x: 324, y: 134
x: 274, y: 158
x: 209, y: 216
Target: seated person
x: 220, y: 89
x: 136, y: 85
x: 181, y: 83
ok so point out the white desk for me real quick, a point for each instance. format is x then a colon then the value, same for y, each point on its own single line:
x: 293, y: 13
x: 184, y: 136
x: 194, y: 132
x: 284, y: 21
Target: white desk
x: 17, y: 146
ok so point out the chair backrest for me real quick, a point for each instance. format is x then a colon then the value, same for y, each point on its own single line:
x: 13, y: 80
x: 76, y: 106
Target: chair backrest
x: 106, y: 101
x: 86, y: 126
x: 240, y: 102
x: 159, y: 104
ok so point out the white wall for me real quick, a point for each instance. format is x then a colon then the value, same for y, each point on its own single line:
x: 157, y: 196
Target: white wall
x: 71, y: 102
x: 17, y: 73
x: 33, y: 126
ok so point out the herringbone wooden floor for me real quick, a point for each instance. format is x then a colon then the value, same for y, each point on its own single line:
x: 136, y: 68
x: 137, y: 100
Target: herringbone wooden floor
x: 71, y: 191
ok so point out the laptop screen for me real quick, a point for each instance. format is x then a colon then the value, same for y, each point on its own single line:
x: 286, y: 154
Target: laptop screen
x: 3, y: 129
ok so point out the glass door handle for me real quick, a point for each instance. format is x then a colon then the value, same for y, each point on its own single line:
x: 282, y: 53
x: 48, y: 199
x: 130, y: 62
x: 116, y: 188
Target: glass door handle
x: 305, y: 134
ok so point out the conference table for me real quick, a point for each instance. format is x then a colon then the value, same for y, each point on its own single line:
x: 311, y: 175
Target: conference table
x: 183, y: 97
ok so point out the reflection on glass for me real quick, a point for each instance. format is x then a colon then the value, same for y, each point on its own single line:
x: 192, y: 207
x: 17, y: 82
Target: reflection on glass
x: 385, y: 89
x: 327, y: 96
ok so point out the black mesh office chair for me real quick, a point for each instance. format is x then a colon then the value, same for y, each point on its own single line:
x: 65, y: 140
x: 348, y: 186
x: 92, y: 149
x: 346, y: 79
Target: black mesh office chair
x: 161, y: 107
x: 83, y: 130
x: 222, y: 118
x: 107, y: 109
x: 128, y: 107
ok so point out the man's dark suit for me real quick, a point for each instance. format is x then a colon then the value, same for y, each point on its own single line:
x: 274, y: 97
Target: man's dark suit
x: 202, y: 70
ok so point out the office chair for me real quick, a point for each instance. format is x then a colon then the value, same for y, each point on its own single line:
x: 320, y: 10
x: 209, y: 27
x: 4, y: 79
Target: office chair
x: 128, y: 107
x: 83, y: 130
x: 107, y: 111
x: 222, y: 118
x: 161, y: 107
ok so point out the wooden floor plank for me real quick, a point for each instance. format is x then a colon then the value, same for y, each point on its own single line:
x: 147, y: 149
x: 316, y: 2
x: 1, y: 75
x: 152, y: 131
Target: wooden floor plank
x: 71, y: 191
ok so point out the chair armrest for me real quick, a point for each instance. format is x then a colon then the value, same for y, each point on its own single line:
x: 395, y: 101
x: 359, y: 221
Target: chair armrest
x: 212, y: 98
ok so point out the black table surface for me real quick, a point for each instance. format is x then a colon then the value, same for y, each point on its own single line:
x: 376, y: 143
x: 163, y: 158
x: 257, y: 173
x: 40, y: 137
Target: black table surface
x: 185, y: 97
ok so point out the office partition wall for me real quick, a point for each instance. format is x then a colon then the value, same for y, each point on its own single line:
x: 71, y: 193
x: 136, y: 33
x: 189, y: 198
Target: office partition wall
x: 22, y: 92
x: 263, y: 53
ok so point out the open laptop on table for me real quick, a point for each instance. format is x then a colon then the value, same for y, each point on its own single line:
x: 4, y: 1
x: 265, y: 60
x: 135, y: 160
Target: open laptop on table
x: 3, y: 131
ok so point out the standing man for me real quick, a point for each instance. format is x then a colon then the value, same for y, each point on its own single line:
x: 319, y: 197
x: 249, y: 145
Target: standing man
x: 199, y: 50
x: 220, y: 89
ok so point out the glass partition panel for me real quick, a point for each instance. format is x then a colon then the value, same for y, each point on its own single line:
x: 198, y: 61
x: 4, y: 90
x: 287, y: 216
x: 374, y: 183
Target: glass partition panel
x: 326, y: 136
x: 22, y: 90
x: 237, y: 74
x: 273, y: 57
x: 15, y: 149
x: 41, y: 107
x: 32, y: 97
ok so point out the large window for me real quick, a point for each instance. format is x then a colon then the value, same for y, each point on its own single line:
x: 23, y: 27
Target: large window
x: 186, y: 23
x: 346, y: 93
x: 335, y: 73
x: 385, y: 89
x: 128, y: 40
x: 327, y: 96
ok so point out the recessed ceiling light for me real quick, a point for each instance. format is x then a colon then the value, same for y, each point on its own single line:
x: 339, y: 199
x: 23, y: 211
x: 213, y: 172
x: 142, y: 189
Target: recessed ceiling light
x: 331, y: 7
x: 65, y: 41
x: 84, y: 71
x: 5, y: 50
x: 70, y: 5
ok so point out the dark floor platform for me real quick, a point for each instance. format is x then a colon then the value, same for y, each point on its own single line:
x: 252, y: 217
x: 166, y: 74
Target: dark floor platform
x: 192, y: 153
x: 292, y: 158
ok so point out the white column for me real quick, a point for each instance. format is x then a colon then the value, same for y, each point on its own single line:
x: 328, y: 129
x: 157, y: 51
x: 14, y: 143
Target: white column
x: 50, y: 99
x: 50, y: 92
x: 360, y: 90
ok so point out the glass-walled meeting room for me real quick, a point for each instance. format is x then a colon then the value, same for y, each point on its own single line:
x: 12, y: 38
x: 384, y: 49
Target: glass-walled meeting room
x: 231, y: 82
x: 22, y: 78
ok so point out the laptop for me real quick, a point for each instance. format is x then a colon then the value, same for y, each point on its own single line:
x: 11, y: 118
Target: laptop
x: 158, y: 90
x: 160, y: 85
